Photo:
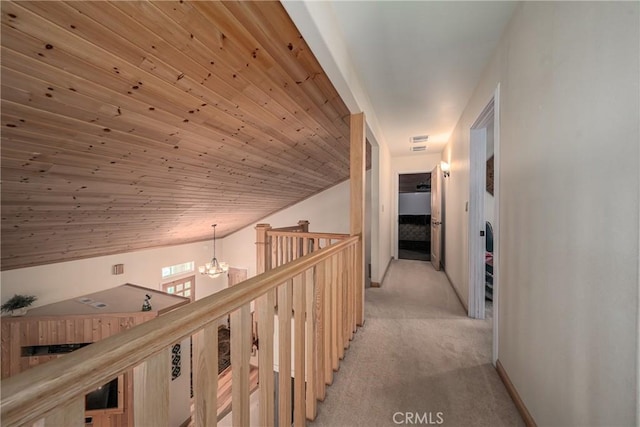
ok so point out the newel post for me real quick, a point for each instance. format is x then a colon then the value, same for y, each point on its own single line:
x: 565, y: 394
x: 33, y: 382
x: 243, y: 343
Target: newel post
x: 357, y: 175
x: 263, y: 250
x: 304, y: 225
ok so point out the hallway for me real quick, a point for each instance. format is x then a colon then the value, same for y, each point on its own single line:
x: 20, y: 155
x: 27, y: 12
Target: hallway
x: 417, y: 353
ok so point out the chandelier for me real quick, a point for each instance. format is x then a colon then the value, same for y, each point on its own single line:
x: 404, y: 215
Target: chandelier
x: 214, y: 268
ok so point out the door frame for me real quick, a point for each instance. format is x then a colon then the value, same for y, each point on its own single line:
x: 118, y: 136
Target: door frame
x: 477, y: 187
x: 396, y: 209
x: 437, y: 182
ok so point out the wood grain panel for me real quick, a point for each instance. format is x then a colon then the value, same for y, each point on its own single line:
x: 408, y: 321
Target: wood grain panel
x: 299, y: 359
x: 71, y: 415
x: 284, y: 354
x: 151, y: 390
x: 131, y: 125
x: 265, y: 311
x: 240, y: 355
x: 206, y: 376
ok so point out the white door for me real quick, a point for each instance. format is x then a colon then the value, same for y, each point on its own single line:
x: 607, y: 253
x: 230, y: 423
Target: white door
x: 436, y: 217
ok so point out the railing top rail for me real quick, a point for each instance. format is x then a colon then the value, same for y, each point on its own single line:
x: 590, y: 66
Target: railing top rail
x: 292, y: 228
x: 311, y: 235
x: 29, y: 395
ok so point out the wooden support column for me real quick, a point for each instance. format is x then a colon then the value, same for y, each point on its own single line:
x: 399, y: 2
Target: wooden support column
x: 263, y: 252
x: 151, y: 390
x: 357, y: 167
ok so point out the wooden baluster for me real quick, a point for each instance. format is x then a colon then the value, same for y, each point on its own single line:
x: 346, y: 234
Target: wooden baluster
x: 299, y: 410
x: 345, y: 300
x: 319, y: 281
x: 335, y: 312
x: 299, y: 415
x: 340, y: 306
x: 270, y: 264
x: 354, y: 294
x: 328, y: 353
x: 205, y: 376
x: 240, y: 355
x: 151, y: 390
x: 284, y: 353
x: 265, y: 358
x: 295, y: 247
x: 71, y: 415
x: 310, y: 336
x: 290, y: 252
x: 275, y: 260
x: 288, y: 256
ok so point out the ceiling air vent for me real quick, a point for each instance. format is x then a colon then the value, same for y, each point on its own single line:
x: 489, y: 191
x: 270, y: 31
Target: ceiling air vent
x: 419, y: 139
x: 418, y: 148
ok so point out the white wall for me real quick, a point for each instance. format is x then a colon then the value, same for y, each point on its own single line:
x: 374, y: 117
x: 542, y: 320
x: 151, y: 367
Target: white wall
x: 569, y: 208
x: 61, y: 281
x: 414, y: 203
x: 327, y: 212
x: 57, y: 282
x: 317, y: 23
x: 381, y: 200
x: 414, y: 163
x: 367, y: 227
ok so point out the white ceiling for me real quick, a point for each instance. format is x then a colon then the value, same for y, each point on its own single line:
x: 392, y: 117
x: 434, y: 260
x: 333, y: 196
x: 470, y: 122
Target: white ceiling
x: 419, y: 61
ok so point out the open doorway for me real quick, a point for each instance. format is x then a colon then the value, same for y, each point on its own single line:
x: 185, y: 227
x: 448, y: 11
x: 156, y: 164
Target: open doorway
x: 414, y: 216
x: 484, y: 217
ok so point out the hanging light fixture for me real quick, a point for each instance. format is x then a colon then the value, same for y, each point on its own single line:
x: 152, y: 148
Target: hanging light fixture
x: 214, y: 268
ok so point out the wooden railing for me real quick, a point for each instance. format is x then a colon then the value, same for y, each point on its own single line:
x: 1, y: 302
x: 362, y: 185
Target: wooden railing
x: 317, y: 294
x: 329, y: 295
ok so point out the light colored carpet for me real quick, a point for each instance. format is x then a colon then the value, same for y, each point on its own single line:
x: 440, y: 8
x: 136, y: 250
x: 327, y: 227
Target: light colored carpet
x: 417, y: 353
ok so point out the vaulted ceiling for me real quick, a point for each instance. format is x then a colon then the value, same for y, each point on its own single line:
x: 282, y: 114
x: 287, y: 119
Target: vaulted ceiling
x: 129, y: 125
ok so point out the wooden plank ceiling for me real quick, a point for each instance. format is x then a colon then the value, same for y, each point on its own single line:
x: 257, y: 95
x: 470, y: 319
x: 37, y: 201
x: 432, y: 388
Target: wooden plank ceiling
x: 129, y: 125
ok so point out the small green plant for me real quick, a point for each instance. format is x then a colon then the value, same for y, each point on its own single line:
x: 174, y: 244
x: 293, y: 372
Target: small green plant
x: 18, y: 301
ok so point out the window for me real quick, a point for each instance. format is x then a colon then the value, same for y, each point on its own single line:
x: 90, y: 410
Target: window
x: 174, y: 270
x: 184, y: 287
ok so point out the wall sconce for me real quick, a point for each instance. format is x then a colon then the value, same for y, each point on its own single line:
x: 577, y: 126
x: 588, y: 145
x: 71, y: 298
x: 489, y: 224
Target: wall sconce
x: 446, y: 169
